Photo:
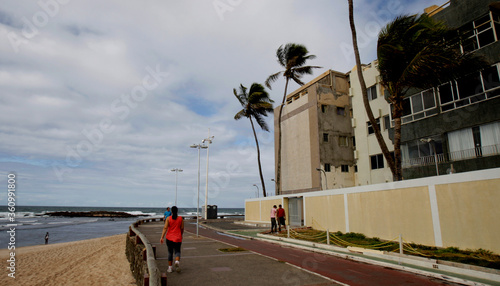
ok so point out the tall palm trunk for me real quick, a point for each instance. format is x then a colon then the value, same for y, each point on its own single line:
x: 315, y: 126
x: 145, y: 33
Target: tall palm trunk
x: 258, y: 158
x: 278, y: 168
x: 397, y: 113
x: 366, y: 103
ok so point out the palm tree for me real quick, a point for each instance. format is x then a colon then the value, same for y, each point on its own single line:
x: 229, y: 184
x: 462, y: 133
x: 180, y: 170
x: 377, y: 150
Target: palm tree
x: 292, y: 57
x: 418, y: 52
x: 413, y: 52
x: 364, y: 92
x: 256, y: 104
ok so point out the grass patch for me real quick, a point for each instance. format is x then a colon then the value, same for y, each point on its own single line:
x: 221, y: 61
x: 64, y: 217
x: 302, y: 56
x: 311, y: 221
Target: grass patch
x: 480, y: 257
x: 232, y: 249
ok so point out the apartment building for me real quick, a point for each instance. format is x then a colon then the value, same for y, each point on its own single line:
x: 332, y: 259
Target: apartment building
x: 455, y: 127
x: 317, y: 138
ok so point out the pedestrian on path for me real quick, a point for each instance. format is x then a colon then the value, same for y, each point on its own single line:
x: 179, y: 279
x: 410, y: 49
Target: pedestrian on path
x: 281, y: 218
x: 167, y: 213
x: 174, y: 229
x: 273, y: 219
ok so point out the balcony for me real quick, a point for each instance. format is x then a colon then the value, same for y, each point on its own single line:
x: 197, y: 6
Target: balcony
x: 477, y: 152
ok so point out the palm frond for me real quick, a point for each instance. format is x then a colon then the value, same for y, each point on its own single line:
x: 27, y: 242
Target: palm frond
x: 272, y: 78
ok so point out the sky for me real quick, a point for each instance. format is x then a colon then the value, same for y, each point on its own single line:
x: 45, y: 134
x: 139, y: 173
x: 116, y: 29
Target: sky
x: 100, y: 100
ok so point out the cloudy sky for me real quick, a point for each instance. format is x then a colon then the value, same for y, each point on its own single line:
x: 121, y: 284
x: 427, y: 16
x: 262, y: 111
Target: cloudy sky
x: 99, y: 100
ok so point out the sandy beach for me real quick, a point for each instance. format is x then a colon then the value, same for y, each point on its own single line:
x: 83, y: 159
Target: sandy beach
x: 99, y: 261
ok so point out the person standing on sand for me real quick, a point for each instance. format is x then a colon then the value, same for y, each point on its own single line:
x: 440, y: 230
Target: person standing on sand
x: 167, y: 213
x: 47, y: 238
x: 174, y: 229
x: 281, y: 218
x: 273, y: 219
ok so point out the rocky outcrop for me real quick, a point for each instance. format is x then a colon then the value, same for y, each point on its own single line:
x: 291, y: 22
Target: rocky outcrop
x: 91, y: 214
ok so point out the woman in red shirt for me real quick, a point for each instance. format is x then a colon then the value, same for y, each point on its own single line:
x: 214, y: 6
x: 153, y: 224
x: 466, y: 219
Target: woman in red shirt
x: 174, y: 229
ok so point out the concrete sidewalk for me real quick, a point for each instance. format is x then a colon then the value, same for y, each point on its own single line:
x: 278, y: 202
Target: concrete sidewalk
x: 267, y: 262
x: 203, y: 263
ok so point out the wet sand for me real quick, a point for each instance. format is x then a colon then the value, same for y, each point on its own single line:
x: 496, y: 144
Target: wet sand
x: 99, y: 261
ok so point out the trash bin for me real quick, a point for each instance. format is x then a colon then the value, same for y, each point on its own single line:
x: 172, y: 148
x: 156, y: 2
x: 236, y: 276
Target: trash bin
x: 211, y: 212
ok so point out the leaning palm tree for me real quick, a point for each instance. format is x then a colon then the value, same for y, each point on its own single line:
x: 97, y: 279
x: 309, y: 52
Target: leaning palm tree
x: 413, y: 52
x: 364, y: 93
x: 292, y: 57
x: 256, y: 104
x: 418, y: 52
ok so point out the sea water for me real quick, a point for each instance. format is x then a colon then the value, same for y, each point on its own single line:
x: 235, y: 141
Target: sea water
x: 32, y: 223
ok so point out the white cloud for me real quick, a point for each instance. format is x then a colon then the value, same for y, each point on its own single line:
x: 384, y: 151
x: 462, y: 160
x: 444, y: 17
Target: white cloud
x: 68, y: 88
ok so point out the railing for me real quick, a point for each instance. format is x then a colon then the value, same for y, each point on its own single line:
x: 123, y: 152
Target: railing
x: 453, y: 156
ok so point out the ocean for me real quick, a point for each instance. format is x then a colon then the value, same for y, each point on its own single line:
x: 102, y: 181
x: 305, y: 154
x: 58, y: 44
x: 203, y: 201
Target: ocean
x: 32, y: 223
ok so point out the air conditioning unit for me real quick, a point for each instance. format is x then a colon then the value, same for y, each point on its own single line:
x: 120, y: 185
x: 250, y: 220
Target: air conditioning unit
x: 356, y: 155
x: 351, y: 92
x: 353, y: 122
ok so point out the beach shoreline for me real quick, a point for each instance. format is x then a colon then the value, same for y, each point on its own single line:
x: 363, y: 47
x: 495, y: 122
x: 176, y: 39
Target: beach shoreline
x: 96, y: 261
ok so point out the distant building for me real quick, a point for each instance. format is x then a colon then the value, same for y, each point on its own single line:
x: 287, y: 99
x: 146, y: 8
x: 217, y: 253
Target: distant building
x: 317, y: 134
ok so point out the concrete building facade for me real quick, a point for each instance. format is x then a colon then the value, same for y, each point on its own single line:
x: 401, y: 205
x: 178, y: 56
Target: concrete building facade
x: 455, y: 127
x: 317, y: 134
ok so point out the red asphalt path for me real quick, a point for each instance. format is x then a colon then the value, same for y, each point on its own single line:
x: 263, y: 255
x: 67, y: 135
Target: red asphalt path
x: 338, y: 269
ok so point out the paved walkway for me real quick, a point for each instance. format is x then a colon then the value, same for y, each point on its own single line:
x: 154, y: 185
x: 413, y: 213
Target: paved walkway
x: 264, y: 263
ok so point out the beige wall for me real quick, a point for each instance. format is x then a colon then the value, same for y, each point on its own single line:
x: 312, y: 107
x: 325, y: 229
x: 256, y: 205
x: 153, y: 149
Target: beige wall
x: 460, y: 210
x: 259, y: 210
x: 474, y: 205
x: 386, y: 214
x: 325, y: 212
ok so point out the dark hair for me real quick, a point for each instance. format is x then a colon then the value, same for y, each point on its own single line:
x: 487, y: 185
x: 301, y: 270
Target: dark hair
x: 274, y: 206
x: 174, y: 212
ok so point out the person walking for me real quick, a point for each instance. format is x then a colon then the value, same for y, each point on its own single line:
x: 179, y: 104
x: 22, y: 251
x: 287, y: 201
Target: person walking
x: 273, y: 219
x: 281, y: 218
x: 167, y: 213
x: 173, y: 231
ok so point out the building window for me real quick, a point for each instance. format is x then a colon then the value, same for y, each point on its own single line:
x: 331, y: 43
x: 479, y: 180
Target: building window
x: 479, y: 33
x: 343, y: 141
x: 341, y: 111
x: 355, y: 168
x: 418, y: 106
x: 474, y: 142
x: 470, y: 89
x: 344, y: 168
x: 377, y: 161
x: 323, y: 108
x: 353, y: 141
x: 325, y: 137
x: 421, y: 152
x: 372, y: 92
x: 327, y: 167
x: 387, y: 122
x: 370, y: 127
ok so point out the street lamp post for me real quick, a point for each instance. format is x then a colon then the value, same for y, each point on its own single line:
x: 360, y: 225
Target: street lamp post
x: 176, y: 170
x: 274, y: 186
x: 257, y: 189
x: 209, y: 141
x: 433, y: 144
x: 326, y: 179
x: 198, y: 146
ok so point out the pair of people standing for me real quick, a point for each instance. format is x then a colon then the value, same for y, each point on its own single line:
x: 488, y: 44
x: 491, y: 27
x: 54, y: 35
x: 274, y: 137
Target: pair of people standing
x: 279, y: 215
x: 172, y: 232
